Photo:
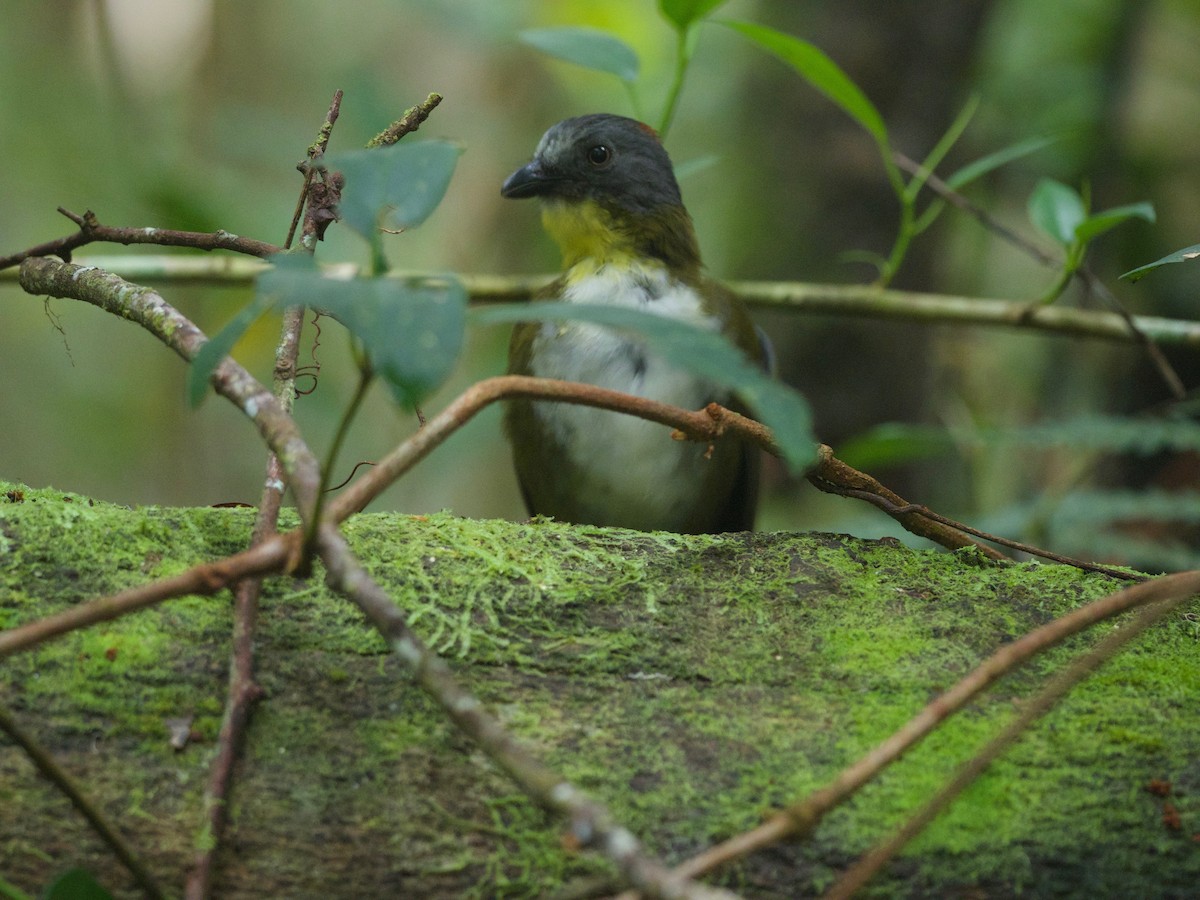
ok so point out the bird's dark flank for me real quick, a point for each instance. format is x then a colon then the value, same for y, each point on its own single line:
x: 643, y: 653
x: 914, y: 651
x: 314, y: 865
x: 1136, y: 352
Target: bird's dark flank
x: 611, y: 202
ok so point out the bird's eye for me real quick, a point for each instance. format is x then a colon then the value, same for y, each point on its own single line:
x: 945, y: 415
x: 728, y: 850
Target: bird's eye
x: 599, y: 155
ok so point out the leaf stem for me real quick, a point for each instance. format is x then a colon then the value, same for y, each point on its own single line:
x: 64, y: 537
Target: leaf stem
x: 365, y: 377
x: 683, y: 56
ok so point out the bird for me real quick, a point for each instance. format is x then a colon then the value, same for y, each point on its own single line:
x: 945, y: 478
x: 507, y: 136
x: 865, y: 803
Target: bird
x: 610, y: 200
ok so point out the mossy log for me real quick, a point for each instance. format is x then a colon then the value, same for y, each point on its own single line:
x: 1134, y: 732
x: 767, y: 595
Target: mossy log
x: 692, y: 683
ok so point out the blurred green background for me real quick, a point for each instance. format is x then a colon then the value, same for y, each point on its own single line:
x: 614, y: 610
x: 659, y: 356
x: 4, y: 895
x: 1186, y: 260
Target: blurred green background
x: 192, y: 114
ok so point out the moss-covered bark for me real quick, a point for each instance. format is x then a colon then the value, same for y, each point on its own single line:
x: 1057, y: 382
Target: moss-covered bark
x: 693, y: 683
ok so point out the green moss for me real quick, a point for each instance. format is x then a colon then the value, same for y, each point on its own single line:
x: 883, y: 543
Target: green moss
x: 693, y: 684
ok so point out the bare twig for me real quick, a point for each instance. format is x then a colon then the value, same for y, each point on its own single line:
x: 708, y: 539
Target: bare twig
x: 56, y: 775
x: 244, y: 690
x: 1165, y: 370
x: 800, y: 819
x: 1159, y: 599
x: 703, y: 426
x: 91, y: 231
x: 985, y: 218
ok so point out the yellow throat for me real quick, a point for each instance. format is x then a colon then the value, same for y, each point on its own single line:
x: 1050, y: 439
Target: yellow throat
x: 584, y: 231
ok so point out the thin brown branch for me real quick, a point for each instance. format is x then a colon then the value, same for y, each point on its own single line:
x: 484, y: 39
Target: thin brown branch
x: 698, y: 426
x: 202, y: 580
x: 407, y: 123
x: 244, y: 691
x: 829, y: 474
x: 899, y: 512
x: 91, y: 231
x: 833, y: 476
x: 1165, y: 370
x: 800, y: 819
x: 56, y: 775
x: 1162, y: 601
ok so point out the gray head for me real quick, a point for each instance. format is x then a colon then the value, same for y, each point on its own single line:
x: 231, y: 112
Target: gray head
x: 615, y: 161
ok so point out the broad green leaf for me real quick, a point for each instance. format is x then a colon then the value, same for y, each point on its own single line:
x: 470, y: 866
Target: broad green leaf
x: 411, y: 329
x: 209, y: 356
x: 682, y: 13
x: 701, y: 352
x: 1187, y: 254
x: 820, y: 71
x: 394, y: 187
x: 1057, y: 210
x: 587, y: 47
x: 75, y: 884
x: 1098, y: 223
x: 980, y: 167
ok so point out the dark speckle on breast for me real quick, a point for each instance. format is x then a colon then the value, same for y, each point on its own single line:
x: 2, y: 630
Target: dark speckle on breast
x: 639, y: 365
x: 648, y: 288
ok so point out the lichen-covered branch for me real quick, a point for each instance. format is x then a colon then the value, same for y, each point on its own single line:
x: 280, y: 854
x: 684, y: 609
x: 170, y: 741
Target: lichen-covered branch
x: 145, y: 307
x: 856, y: 301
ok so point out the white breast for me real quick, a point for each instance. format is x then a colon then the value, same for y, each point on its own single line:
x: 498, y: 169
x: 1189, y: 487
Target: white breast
x: 627, y: 458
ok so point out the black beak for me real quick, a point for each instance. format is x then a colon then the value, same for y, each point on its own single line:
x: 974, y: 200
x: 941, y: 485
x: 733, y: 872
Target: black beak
x: 528, y: 181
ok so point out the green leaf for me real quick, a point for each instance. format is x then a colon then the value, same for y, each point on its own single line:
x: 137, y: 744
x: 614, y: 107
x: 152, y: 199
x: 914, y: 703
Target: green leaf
x: 410, y: 328
x: 682, y: 13
x: 394, y: 187
x: 980, y: 167
x: 1057, y: 210
x: 587, y: 47
x: 208, y: 357
x: 820, y: 71
x: 1097, y: 224
x: 75, y: 884
x: 1187, y: 254
x: 696, y: 350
